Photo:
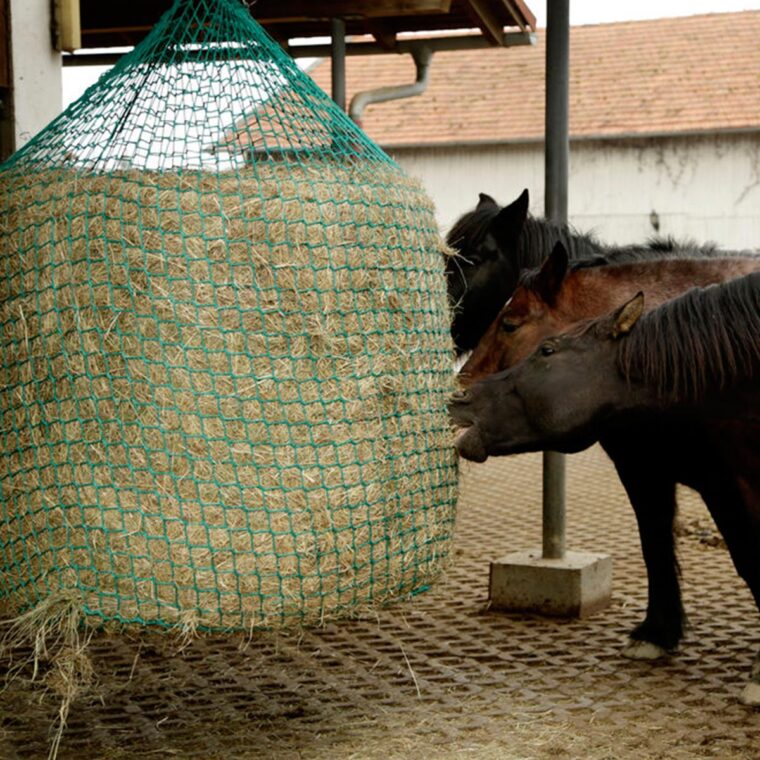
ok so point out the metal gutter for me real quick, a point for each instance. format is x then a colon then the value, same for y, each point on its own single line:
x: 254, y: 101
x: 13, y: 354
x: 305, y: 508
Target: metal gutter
x: 422, y: 56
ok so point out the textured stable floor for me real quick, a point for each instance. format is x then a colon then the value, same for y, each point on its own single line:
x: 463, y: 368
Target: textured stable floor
x: 440, y: 676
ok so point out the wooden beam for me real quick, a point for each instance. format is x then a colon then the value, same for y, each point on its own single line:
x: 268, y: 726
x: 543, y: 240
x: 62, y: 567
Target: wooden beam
x: 67, y: 31
x: 117, y: 29
x: 5, y: 46
x: 526, y: 12
x: 7, y: 120
x: 383, y: 32
x: 514, y: 14
x: 521, y: 14
x: 270, y: 11
x: 493, y: 29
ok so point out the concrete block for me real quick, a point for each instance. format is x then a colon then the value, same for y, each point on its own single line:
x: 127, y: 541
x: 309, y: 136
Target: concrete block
x: 577, y: 585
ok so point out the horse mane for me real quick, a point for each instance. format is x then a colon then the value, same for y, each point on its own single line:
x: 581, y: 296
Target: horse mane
x: 539, y: 236
x: 585, y: 250
x: 704, y: 341
x: 669, y: 244
x: 471, y: 227
x: 655, y: 249
x: 527, y: 278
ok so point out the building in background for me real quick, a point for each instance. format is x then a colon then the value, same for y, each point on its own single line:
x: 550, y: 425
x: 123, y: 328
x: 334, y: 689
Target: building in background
x: 664, y: 122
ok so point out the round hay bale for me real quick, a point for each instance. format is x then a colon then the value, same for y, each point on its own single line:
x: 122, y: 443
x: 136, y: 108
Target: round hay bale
x: 225, y: 349
x: 222, y: 396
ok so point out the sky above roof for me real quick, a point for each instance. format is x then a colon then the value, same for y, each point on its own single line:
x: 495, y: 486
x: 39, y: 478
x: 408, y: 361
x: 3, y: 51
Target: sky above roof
x: 606, y: 11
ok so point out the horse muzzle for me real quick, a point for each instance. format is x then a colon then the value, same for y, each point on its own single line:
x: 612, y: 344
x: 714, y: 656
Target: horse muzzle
x: 467, y: 437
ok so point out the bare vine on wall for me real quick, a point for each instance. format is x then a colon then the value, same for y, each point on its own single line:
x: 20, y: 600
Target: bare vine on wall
x: 753, y: 156
x: 673, y: 159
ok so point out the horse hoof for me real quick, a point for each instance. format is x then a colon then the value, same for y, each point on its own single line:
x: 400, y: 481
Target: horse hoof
x: 751, y: 694
x: 643, y: 650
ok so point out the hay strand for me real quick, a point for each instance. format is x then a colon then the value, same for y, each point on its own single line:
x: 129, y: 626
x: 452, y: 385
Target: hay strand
x: 49, y: 638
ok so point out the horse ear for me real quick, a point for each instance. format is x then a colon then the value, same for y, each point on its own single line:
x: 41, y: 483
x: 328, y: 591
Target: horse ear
x: 627, y: 315
x: 485, y: 200
x: 552, y: 273
x: 510, y: 221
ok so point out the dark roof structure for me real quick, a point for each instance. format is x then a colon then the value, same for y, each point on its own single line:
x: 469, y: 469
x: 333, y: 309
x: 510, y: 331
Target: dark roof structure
x: 113, y: 24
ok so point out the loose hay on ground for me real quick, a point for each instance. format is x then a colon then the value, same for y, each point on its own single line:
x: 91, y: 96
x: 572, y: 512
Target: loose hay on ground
x: 222, y: 397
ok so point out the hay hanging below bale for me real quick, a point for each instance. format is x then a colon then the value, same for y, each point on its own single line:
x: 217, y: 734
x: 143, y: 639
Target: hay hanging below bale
x: 222, y: 396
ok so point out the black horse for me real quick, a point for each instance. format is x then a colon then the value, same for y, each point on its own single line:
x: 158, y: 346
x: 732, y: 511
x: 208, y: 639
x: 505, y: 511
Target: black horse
x: 493, y: 245
x: 681, y: 382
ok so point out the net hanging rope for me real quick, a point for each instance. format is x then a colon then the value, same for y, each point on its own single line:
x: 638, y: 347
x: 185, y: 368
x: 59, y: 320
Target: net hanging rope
x: 225, y: 347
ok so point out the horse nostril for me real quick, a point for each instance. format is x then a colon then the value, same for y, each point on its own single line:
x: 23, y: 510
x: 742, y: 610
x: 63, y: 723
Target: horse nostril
x: 460, y: 396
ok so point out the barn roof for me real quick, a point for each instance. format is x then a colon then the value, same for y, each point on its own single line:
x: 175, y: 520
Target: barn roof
x: 666, y: 76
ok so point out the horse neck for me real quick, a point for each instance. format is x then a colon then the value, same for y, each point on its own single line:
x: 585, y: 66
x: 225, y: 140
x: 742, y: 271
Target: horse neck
x: 588, y: 293
x: 539, y: 236
x: 683, y: 354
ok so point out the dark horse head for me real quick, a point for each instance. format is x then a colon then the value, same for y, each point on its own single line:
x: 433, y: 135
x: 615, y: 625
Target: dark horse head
x: 493, y: 244
x: 686, y: 353
x: 483, y: 274
x: 556, y: 399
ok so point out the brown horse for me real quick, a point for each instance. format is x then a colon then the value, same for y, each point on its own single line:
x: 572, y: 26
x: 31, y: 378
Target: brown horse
x: 674, y: 397
x: 548, y: 302
x: 550, y: 299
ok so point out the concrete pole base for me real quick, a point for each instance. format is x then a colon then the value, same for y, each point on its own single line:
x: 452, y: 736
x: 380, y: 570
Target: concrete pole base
x: 577, y: 585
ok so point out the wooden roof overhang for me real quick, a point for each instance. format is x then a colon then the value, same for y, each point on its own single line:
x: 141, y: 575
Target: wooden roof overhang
x: 124, y: 24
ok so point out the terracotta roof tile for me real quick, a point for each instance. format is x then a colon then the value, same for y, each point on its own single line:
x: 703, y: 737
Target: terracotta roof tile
x: 698, y: 73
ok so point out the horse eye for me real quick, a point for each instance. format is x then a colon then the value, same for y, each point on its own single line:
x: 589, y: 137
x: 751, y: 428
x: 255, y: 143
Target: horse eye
x: 508, y: 327
x: 547, y: 349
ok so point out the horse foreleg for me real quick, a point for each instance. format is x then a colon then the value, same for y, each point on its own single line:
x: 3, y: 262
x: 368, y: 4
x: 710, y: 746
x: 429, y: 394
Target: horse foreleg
x: 653, y: 498
x: 736, y: 511
x: 662, y: 628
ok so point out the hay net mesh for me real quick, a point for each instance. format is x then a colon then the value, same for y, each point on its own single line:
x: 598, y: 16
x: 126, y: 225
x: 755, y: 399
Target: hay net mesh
x: 225, y: 347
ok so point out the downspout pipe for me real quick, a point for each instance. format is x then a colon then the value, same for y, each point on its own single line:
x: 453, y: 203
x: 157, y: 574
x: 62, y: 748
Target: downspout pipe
x: 422, y: 56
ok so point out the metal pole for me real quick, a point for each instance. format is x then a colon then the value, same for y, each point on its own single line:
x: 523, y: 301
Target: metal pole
x: 557, y: 155
x: 338, y: 58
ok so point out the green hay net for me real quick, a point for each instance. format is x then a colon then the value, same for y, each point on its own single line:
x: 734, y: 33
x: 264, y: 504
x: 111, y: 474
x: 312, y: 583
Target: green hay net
x: 225, y: 348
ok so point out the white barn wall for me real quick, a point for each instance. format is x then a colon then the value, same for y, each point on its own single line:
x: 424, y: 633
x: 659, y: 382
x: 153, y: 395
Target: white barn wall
x: 36, y: 68
x: 706, y: 188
